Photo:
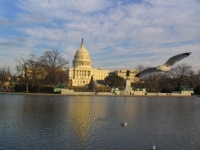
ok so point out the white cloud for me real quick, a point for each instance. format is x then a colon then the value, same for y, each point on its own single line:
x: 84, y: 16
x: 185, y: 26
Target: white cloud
x: 138, y: 32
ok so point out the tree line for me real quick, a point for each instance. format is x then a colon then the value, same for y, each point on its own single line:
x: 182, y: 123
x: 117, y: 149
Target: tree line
x: 37, y: 71
x: 181, y: 77
x: 49, y: 69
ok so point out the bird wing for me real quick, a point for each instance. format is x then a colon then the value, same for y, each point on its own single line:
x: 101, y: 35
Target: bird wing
x: 171, y: 61
x: 148, y: 71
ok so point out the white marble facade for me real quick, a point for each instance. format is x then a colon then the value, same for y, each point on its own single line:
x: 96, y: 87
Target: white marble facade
x: 81, y: 71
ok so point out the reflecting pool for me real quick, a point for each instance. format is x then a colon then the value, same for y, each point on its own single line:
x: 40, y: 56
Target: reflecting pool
x: 93, y: 122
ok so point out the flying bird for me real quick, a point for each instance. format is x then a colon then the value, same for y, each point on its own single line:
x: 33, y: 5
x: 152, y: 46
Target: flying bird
x: 163, y: 68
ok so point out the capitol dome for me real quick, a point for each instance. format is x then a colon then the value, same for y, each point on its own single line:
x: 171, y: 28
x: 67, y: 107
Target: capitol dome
x: 82, y: 57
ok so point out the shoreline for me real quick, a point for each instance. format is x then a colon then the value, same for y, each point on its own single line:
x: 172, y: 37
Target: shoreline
x: 92, y: 94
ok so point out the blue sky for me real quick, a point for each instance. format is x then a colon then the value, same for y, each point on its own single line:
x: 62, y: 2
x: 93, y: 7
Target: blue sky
x: 118, y: 34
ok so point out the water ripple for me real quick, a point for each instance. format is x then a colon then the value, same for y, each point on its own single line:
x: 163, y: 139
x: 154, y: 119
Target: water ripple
x: 37, y: 122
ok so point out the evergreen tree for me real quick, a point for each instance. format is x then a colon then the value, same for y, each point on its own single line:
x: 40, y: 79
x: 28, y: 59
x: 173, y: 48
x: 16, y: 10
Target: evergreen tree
x: 114, y: 81
x: 197, y: 90
x: 91, y: 85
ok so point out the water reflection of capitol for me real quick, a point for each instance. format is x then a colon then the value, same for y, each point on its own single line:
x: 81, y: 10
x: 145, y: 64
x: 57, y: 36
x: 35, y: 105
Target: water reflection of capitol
x: 82, y: 109
x: 81, y: 72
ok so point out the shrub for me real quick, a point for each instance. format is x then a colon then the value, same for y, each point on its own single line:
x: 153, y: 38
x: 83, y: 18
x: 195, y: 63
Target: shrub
x: 47, y: 89
x: 19, y: 88
x: 166, y: 90
x: 197, y: 90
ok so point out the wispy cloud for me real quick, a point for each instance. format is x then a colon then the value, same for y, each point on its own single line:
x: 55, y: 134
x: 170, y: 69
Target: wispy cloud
x: 117, y: 34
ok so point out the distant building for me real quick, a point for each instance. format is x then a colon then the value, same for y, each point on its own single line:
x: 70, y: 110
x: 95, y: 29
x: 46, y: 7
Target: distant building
x: 81, y: 71
x: 123, y: 74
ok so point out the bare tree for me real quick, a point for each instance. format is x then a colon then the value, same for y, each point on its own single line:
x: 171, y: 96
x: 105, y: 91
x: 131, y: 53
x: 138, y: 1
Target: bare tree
x: 22, y: 68
x: 181, y: 74
x: 198, y: 75
x: 141, y: 82
x: 36, y: 73
x: 53, y: 62
x: 62, y: 77
x: 165, y: 83
x: 4, y: 75
x: 151, y: 82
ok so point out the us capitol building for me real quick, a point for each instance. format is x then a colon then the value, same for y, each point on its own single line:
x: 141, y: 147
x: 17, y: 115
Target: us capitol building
x: 81, y: 72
